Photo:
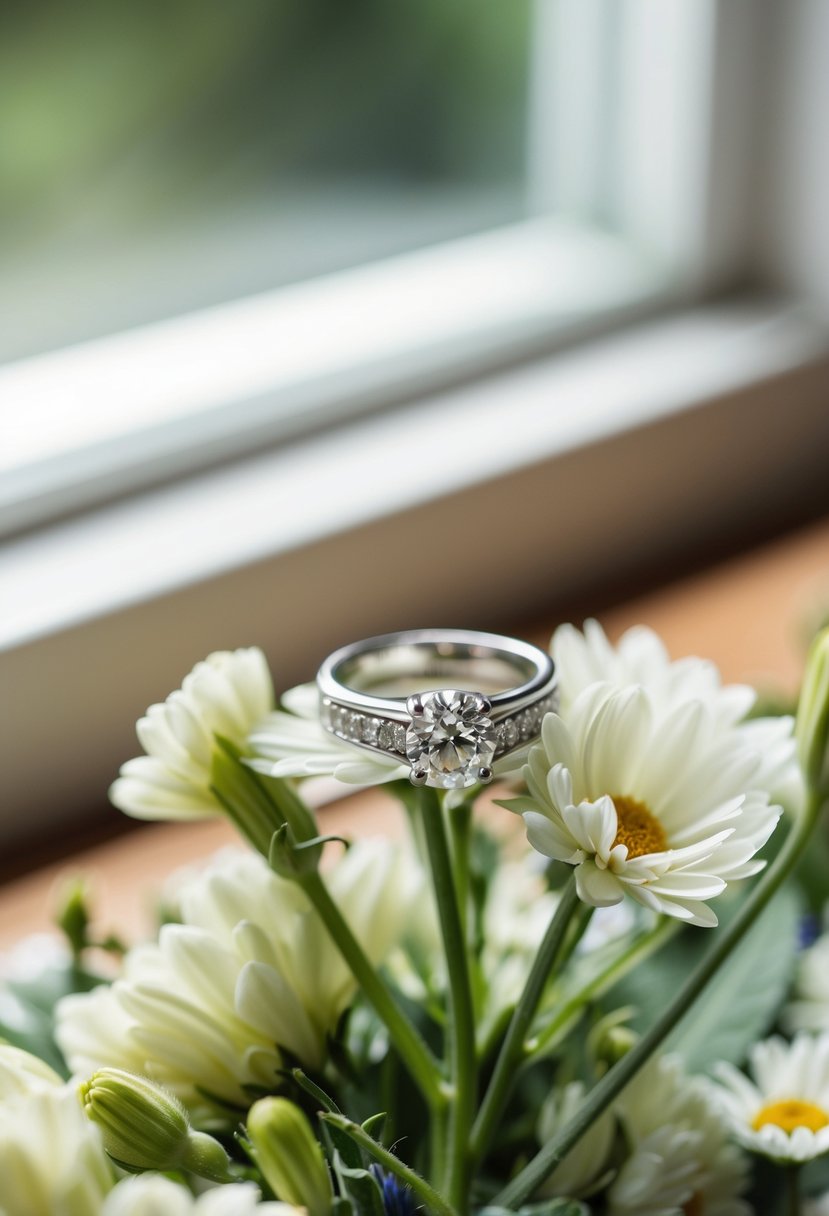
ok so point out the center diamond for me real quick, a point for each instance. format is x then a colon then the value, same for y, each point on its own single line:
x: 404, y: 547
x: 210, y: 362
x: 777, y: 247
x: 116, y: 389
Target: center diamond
x: 451, y: 740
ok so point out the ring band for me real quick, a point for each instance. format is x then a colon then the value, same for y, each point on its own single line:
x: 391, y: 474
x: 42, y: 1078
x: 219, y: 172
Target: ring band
x: 451, y: 701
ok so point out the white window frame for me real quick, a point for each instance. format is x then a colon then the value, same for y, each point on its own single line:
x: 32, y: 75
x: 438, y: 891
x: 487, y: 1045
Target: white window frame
x: 596, y: 459
x: 113, y: 415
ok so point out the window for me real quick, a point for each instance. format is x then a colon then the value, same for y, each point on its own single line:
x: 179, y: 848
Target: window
x: 226, y: 225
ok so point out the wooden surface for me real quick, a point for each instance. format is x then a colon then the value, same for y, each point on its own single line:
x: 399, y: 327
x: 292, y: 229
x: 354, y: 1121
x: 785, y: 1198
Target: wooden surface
x: 752, y: 616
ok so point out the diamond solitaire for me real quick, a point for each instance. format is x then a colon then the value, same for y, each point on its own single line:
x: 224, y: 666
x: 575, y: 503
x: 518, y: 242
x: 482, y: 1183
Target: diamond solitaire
x: 403, y: 695
x: 451, y: 741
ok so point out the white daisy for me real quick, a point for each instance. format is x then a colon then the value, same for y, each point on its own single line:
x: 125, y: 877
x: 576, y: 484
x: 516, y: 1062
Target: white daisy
x: 809, y: 1010
x: 659, y: 806
x: 681, y: 1159
x: 252, y: 969
x: 784, y: 1112
x: 640, y: 657
x: 154, y: 1195
x: 228, y: 694
x: 292, y: 742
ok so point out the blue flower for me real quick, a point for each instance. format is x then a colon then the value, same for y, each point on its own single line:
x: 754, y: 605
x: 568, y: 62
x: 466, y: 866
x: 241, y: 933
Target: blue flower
x: 398, y: 1199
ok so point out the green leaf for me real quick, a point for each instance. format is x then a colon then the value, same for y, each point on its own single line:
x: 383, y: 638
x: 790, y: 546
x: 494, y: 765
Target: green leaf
x: 741, y: 1002
x: 360, y: 1186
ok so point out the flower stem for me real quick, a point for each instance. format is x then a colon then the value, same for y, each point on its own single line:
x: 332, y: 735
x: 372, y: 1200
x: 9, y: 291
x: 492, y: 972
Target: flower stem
x: 433, y: 1202
x: 563, y: 1020
x: 512, y: 1048
x: 461, y: 1021
x: 460, y: 825
x: 614, y: 1081
x: 793, y: 1189
x: 412, y: 1049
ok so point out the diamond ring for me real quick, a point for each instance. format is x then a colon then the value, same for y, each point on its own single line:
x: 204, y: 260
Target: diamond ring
x: 451, y: 701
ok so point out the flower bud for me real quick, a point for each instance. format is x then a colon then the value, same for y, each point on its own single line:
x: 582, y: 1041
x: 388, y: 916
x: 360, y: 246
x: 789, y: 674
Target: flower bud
x: 145, y: 1128
x: 73, y: 915
x: 291, y: 1159
x: 812, y: 726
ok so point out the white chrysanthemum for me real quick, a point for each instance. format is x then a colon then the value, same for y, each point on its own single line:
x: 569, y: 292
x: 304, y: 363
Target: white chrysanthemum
x: 581, y: 1168
x: 51, y: 1157
x: 809, y: 1010
x: 657, y: 806
x: 294, y: 743
x: 784, y: 1112
x: 23, y: 1073
x: 252, y: 969
x: 154, y: 1195
x: 640, y: 657
x: 228, y: 694
x: 681, y: 1159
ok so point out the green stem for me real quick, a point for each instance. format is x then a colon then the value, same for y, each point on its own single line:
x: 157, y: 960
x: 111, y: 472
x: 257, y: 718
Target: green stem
x: 637, y: 952
x: 793, y: 1189
x: 460, y: 826
x: 434, y: 1202
x: 461, y: 1021
x: 614, y: 1081
x: 512, y: 1050
x: 412, y: 1049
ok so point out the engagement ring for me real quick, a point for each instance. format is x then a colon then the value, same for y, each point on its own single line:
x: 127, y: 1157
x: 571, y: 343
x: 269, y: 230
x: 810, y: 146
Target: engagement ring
x: 450, y: 701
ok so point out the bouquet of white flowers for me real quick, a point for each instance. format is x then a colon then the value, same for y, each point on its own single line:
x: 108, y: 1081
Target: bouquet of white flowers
x: 556, y: 1022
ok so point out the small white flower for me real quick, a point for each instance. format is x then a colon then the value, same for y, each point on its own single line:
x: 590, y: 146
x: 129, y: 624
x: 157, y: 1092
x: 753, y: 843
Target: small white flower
x: 809, y: 1010
x: 252, y: 969
x: 583, y: 1165
x: 228, y: 694
x: 154, y: 1195
x: 23, y: 1073
x: 784, y: 1112
x: 292, y: 742
x: 51, y: 1157
x: 640, y: 657
x: 681, y: 1159
x: 657, y: 805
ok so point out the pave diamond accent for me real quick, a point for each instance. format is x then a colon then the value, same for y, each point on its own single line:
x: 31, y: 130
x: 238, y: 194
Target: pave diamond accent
x: 451, y: 740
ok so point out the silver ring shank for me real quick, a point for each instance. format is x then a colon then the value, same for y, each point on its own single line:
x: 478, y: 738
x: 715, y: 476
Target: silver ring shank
x: 364, y: 686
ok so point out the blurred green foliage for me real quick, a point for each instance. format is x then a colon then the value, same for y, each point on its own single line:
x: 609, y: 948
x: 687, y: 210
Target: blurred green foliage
x: 174, y: 103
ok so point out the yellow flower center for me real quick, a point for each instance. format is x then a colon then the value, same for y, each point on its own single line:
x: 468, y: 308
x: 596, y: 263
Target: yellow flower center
x: 790, y: 1114
x: 637, y: 827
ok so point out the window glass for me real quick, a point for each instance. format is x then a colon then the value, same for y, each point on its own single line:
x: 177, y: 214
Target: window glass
x: 160, y: 157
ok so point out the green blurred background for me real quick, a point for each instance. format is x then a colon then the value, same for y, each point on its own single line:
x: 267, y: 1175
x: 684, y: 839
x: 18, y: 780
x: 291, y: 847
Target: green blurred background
x: 167, y: 155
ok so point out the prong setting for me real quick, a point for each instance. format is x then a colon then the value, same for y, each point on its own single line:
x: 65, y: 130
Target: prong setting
x: 418, y: 776
x: 485, y: 774
x: 414, y: 704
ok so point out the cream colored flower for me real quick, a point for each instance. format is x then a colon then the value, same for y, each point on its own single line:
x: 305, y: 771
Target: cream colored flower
x: 154, y: 1195
x: 292, y: 742
x: 656, y: 805
x: 586, y: 1161
x: 251, y: 970
x: 809, y: 1010
x: 228, y: 694
x: 681, y: 1159
x: 23, y: 1073
x: 51, y: 1158
x: 784, y: 1112
x: 640, y: 657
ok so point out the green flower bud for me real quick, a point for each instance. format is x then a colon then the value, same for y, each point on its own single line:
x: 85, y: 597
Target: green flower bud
x: 290, y: 1158
x: 812, y: 726
x: 73, y: 915
x: 145, y: 1128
